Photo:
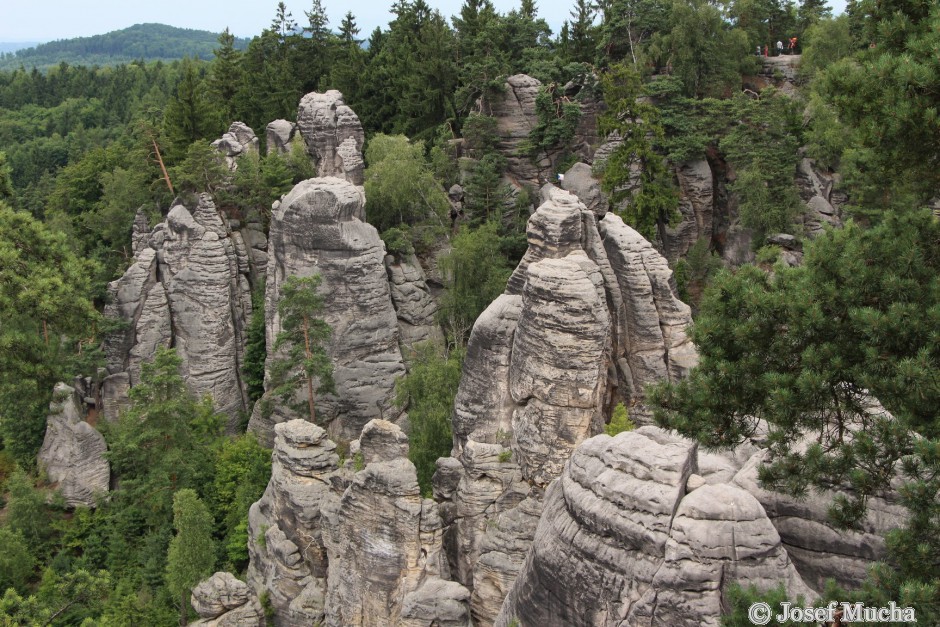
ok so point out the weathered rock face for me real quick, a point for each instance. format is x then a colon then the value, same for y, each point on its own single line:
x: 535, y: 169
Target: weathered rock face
x: 696, y: 204
x: 623, y: 541
x: 588, y: 316
x: 515, y: 115
x: 278, y: 135
x: 580, y: 181
x: 237, y: 141
x: 350, y: 548
x: 318, y: 228
x: 333, y: 135
x: 823, y: 204
x: 72, y: 452
x: 224, y: 601
x: 415, y: 307
x: 818, y: 548
x: 188, y: 288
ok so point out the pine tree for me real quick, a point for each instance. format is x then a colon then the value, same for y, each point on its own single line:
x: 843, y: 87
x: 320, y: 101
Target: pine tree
x: 317, y: 21
x: 348, y: 30
x: 225, y: 75
x: 283, y: 23
x: 190, y: 115
x: 303, y: 336
x: 583, y: 33
x: 191, y: 556
x: 635, y: 171
x: 44, y: 306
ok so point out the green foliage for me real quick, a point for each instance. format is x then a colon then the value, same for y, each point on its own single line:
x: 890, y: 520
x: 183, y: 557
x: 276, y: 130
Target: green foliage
x: 400, y: 185
x: 202, y: 169
x: 763, y: 148
x: 803, y: 350
x: 255, y: 348
x: 164, y: 442
x: 242, y: 471
x: 706, y: 54
x: 768, y: 254
x: 141, y: 41
x: 190, y: 115
x: 693, y: 273
x: 824, y: 43
x: 634, y: 171
x: 27, y: 513
x: 191, y: 556
x: 398, y: 241
x: 16, y: 561
x: 740, y: 599
x: 427, y: 392
x: 303, y: 335
x: 475, y: 274
x: 558, y: 119
x: 74, y: 598
x: 43, y: 304
x: 504, y: 457
x: 619, y: 421
x: 888, y: 95
x: 485, y: 194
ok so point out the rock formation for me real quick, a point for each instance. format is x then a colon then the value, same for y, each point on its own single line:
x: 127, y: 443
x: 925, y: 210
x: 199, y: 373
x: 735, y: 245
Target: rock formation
x: 237, y: 141
x: 347, y: 546
x: 318, y: 228
x: 333, y: 135
x: 514, y: 110
x: 630, y: 535
x: 278, y: 135
x: 224, y: 601
x: 818, y: 548
x: 415, y: 307
x: 588, y: 317
x: 188, y: 288
x: 72, y: 453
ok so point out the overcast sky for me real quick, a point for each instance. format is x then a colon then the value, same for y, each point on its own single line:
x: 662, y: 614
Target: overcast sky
x: 47, y: 20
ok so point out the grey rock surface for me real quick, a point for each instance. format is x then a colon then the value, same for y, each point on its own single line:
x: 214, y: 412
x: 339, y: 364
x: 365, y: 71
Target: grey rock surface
x: 588, y: 318
x: 696, y: 205
x: 622, y: 542
x: 237, y: 141
x: 278, y: 135
x: 188, y: 288
x: 318, y: 228
x: 580, y: 181
x: 333, y: 135
x: 818, y: 548
x: 415, y: 307
x: 348, y: 549
x: 73, y: 451
x: 514, y: 110
x: 218, y: 594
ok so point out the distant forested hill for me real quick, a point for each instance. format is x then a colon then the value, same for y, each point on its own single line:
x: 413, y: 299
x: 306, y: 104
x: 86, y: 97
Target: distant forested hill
x: 149, y: 42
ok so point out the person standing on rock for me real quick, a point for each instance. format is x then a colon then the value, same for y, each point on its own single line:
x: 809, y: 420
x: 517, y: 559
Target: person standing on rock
x: 758, y: 50
x: 779, y: 47
x: 792, y: 45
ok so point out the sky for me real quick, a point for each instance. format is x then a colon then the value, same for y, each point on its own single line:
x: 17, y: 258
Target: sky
x: 48, y: 20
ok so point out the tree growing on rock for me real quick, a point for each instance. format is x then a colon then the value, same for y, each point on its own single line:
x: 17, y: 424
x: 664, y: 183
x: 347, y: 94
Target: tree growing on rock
x: 804, y: 351
x: 303, y: 336
x: 635, y: 172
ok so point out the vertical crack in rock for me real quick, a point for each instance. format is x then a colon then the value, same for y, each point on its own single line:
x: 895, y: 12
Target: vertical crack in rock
x: 186, y: 289
x: 347, y: 548
x: 318, y: 228
x: 588, y: 316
